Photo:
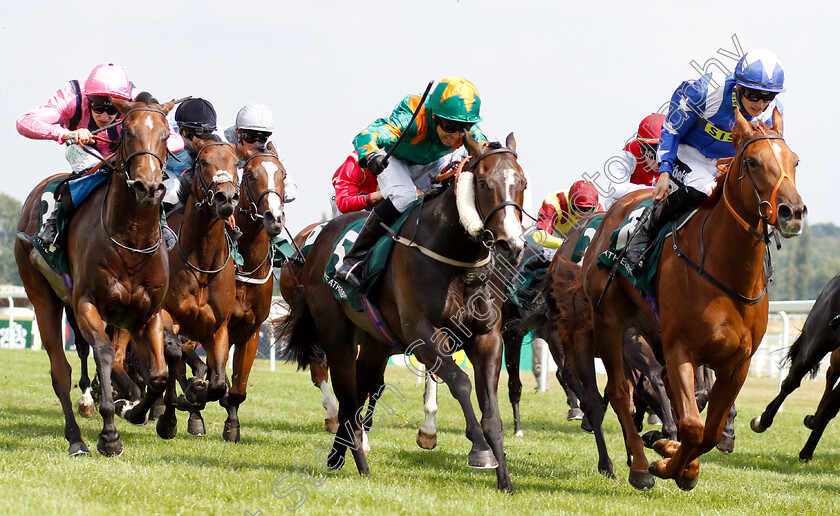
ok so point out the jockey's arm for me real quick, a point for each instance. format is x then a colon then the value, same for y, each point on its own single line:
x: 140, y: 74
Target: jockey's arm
x: 686, y: 102
x: 383, y: 133
x: 546, y: 239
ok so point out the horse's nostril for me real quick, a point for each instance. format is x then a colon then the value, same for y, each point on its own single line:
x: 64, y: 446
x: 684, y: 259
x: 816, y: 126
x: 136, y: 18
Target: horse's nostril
x: 785, y: 212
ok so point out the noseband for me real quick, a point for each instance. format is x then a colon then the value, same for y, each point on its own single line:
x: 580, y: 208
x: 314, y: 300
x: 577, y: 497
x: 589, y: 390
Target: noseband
x: 207, y: 189
x: 252, y: 210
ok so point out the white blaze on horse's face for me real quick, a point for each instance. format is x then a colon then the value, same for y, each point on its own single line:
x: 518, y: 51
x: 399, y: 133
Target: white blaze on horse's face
x: 512, y: 224
x: 275, y: 203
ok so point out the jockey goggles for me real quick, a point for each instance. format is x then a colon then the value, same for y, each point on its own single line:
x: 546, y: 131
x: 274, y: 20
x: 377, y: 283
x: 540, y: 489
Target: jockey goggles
x: 101, y: 105
x: 249, y: 136
x: 449, y: 126
x: 756, y: 95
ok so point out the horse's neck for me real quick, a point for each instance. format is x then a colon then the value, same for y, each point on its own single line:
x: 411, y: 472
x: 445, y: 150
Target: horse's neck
x: 441, y: 230
x: 201, y: 232
x: 124, y: 218
x: 254, y: 242
x: 727, y: 242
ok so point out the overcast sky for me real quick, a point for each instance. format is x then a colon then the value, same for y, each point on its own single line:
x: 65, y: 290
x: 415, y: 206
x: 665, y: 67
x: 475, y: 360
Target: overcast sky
x: 571, y: 80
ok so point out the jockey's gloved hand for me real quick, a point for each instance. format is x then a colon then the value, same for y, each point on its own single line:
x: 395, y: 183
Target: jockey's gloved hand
x: 376, y: 163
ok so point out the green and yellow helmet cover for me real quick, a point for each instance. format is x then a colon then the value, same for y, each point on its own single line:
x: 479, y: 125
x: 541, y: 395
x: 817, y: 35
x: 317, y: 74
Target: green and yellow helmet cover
x: 456, y: 98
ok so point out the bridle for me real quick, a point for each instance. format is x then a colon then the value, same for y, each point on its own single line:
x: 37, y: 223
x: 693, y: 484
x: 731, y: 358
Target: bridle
x: 252, y: 209
x: 207, y: 189
x: 767, y: 210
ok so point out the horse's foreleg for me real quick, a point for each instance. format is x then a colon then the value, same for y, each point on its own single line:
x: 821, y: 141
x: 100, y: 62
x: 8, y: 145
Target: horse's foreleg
x: 93, y: 328
x: 486, y: 356
x: 167, y: 423
x: 243, y: 359
x: 799, y: 367
x: 86, y: 406
x: 827, y: 411
x: 217, y: 355
x: 427, y: 435
x: 149, y: 342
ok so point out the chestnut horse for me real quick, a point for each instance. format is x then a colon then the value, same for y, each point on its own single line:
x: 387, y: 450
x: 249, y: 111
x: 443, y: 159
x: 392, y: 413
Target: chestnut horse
x: 260, y: 218
x: 425, y: 291
x: 202, y: 285
x: 714, y: 313
x: 119, y: 270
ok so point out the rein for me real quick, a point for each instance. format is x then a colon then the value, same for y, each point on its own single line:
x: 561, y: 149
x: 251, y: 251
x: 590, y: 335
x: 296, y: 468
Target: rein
x: 148, y: 250
x: 228, y: 245
x: 251, y: 211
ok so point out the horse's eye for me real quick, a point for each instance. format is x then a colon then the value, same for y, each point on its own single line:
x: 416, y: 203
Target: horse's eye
x: 751, y: 162
x: 482, y: 183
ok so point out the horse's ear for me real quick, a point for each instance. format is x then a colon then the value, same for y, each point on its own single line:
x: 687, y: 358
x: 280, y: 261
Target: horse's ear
x: 778, y: 122
x: 189, y: 145
x: 123, y: 105
x: 510, y: 142
x: 472, y: 145
x: 166, y: 108
x: 243, y: 151
x: 743, y: 129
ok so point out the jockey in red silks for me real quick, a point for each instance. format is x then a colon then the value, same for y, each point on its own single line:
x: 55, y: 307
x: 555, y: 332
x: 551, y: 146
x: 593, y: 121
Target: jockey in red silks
x: 355, y: 187
x: 73, y: 113
x: 637, y: 162
x: 560, y: 212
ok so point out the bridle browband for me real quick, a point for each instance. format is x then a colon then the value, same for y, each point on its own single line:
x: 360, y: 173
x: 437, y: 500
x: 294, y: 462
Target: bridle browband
x: 252, y: 210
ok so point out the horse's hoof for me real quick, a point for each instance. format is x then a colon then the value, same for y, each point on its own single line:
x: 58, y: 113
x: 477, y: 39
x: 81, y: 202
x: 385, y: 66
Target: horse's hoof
x: 231, y: 432
x: 726, y: 444
x: 805, y: 456
x: 335, y: 461
x: 483, y: 459
x: 519, y: 433
x: 78, y: 449
x: 755, y: 425
x: 110, y: 448
x: 124, y: 409
x: 574, y: 414
x: 586, y: 426
x: 331, y: 424
x: 809, y: 422
x: 167, y: 428
x: 641, y: 480
x: 157, y: 411
x: 685, y: 483
x: 196, y: 392
x: 607, y: 470
x: 426, y: 441
x: 195, y: 425
x: 650, y: 437
x: 653, y: 420
x: 86, y: 410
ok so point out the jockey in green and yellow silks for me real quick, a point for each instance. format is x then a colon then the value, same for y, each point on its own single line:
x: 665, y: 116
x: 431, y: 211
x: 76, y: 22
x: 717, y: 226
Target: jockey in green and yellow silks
x: 430, y: 143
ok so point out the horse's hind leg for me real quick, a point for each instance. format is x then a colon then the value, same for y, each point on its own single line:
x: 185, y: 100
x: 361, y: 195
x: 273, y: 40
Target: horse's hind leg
x: 319, y: 372
x: 427, y: 434
x: 167, y: 423
x: 831, y: 377
x: 47, y: 310
x: 149, y: 344
x: 86, y: 406
x: 820, y: 420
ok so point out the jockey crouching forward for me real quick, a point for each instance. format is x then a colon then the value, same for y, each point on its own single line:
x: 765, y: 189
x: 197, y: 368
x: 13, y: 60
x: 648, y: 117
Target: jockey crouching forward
x: 637, y: 162
x: 430, y: 140
x: 697, y: 133
x: 72, y: 114
x: 560, y: 212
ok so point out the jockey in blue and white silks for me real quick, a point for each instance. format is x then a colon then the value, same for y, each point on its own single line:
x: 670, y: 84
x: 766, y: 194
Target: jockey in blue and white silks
x: 697, y: 132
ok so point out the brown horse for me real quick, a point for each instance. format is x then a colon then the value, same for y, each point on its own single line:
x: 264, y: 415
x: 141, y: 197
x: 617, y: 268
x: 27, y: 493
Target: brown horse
x: 422, y: 298
x: 202, y: 284
x: 118, y: 267
x: 714, y: 313
x: 260, y: 218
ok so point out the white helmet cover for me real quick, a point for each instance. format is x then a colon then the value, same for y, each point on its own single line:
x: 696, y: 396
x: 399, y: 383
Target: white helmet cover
x: 256, y: 117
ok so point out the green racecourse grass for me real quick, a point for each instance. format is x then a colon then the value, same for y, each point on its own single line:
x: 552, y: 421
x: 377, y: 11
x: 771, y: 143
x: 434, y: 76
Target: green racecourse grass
x: 553, y: 466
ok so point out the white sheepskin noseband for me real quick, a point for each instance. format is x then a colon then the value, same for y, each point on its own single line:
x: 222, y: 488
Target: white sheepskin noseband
x: 465, y: 202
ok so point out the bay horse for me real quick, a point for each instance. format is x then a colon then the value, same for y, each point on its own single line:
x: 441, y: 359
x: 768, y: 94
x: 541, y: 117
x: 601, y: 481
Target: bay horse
x: 422, y: 298
x: 260, y: 218
x: 202, y: 284
x: 819, y: 337
x: 118, y: 267
x: 714, y: 313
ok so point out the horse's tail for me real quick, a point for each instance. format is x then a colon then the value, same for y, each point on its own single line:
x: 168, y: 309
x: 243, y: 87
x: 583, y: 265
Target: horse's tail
x: 570, y: 308
x: 794, y: 352
x: 296, y: 332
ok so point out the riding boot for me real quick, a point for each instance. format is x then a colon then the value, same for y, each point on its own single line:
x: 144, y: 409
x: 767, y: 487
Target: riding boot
x: 49, y: 232
x: 352, y: 269
x: 233, y: 232
x: 672, y: 207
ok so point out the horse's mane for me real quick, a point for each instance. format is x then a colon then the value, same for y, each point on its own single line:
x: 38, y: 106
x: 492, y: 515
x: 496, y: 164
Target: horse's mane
x: 739, y: 137
x: 146, y: 98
